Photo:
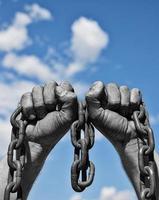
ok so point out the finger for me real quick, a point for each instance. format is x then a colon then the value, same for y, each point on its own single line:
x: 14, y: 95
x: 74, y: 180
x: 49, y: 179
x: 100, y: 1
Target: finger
x: 27, y: 106
x: 113, y: 95
x: 125, y: 99
x: 50, y: 96
x: 135, y: 98
x: 94, y: 98
x: 68, y: 103
x: 38, y: 102
x: 112, y: 125
x: 67, y: 86
x: 56, y: 124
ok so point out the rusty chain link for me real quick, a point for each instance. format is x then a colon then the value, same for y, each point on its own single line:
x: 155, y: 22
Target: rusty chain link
x: 147, y: 165
x: 16, y: 156
x: 82, y: 145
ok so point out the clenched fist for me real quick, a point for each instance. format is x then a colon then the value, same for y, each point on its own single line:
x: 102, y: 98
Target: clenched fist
x: 110, y: 108
x: 50, y: 110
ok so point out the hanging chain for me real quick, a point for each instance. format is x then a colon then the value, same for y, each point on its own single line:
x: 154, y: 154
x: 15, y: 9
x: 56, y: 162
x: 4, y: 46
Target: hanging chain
x: 82, y: 145
x: 147, y: 165
x: 16, y: 156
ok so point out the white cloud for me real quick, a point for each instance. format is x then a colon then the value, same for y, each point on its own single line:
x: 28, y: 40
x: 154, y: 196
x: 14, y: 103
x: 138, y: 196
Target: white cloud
x: 9, y: 98
x: 28, y: 65
x: 74, y: 67
x: 21, y: 20
x: 87, y: 42
x: 88, y: 39
x: 37, y: 12
x: 5, y: 136
x: 110, y: 193
x: 154, y: 119
x: 76, y: 197
x: 85, y: 47
x: 15, y: 36
x: 10, y: 95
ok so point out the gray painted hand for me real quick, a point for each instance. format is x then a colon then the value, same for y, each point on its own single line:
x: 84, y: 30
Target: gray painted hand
x: 110, y: 107
x: 50, y: 110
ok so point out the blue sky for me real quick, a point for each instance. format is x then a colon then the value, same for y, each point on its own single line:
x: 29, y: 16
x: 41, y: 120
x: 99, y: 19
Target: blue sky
x: 80, y: 41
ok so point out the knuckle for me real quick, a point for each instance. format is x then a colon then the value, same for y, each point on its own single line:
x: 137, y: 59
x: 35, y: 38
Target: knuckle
x: 26, y: 95
x: 89, y: 95
x: 36, y: 88
x: 71, y: 96
x: 124, y: 88
x: 66, y: 85
x: 113, y: 94
x: 112, y: 85
x: 135, y: 96
x: 97, y: 85
x: 135, y: 90
x: 125, y: 96
x: 49, y: 94
x: 113, y: 102
x: 26, y: 99
x: 48, y: 101
x: 50, y: 84
x: 39, y: 106
x: 37, y: 94
x: 27, y: 106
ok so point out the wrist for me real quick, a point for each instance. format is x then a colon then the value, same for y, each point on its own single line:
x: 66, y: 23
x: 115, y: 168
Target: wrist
x: 129, y: 157
x: 36, y: 153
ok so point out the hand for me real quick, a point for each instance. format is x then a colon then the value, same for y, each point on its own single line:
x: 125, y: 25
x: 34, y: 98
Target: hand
x: 110, y: 108
x: 50, y: 110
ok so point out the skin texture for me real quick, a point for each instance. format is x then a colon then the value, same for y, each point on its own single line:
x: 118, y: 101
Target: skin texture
x: 50, y: 109
x: 109, y: 108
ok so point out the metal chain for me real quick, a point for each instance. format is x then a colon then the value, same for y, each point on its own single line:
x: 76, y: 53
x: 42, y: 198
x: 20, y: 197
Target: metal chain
x: 147, y: 165
x: 16, y: 155
x: 82, y: 145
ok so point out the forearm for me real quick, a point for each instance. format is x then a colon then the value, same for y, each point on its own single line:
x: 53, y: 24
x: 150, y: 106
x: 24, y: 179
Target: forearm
x: 36, y: 156
x: 129, y: 159
x: 156, y: 157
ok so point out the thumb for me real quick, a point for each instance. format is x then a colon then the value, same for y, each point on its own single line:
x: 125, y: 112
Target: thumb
x: 94, y: 99
x: 67, y: 100
x: 55, y: 124
x: 109, y: 123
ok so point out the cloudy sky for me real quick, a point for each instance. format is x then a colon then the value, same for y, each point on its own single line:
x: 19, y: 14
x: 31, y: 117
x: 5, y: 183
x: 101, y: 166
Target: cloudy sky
x: 80, y: 41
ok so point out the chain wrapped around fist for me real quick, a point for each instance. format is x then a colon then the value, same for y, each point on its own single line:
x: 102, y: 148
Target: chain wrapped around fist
x: 50, y: 109
x: 119, y: 114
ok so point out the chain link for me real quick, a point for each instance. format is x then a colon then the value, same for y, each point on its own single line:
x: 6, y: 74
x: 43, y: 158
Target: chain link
x: 82, y: 145
x: 16, y: 155
x: 147, y: 165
